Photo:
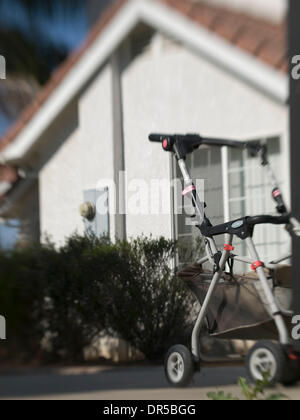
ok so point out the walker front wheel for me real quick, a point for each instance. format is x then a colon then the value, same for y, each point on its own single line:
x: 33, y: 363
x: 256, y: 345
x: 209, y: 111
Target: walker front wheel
x: 179, y: 366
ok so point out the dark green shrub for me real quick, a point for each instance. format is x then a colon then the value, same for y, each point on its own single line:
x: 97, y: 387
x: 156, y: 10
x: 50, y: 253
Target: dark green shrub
x: 75, y: 308
x: 88, y: 287
x: 54, y: 293
x: 150, y: 304
x: 21, y: 297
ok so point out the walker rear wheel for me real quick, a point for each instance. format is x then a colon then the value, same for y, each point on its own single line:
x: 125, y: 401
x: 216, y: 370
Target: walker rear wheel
x: 179, y: 366
x: 266, y: 357
x: 291, y: 375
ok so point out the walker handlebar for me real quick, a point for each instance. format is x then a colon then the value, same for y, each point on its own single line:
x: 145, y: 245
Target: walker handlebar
x: 182, y: 144
x: 198, y: 140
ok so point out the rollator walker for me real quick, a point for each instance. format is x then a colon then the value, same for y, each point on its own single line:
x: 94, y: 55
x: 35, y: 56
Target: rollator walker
x: 233, y: 307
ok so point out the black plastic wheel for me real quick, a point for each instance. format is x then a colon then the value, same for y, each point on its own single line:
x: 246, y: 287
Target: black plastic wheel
x: 291, y: 375
x: 267, y: 356
x: 179, y: 366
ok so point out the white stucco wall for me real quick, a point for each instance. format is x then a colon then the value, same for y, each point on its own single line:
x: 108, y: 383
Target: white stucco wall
x: 144, y: 161
x: 61, y: 191
x: 96, y: 135
x: 82, y: 159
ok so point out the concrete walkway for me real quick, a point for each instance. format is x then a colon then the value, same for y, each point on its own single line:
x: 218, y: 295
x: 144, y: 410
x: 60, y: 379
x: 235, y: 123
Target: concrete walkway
x: 126, y: 383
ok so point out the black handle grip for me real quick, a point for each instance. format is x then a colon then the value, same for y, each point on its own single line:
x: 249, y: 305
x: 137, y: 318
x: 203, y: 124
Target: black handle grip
x: 158, y: 138
x: 166, y: 140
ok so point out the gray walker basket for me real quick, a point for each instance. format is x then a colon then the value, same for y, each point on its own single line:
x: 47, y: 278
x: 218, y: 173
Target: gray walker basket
x: 256, y: 306
x: 238, y: 309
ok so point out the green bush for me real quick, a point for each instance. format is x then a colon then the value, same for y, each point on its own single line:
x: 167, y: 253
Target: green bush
x: 67, y: 296
x: 21, y: 294
x: 151, y: 305
x: 74, y: 310
x: 55, y: 294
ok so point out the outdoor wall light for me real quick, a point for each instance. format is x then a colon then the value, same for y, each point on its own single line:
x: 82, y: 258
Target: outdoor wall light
x: 88, y: 210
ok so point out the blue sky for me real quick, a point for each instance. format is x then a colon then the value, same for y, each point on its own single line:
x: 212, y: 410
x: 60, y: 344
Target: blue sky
x: 8, y: 234
x: 4, y: 122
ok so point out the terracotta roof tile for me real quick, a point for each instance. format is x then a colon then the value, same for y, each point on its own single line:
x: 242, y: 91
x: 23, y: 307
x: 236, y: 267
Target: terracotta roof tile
x: 284, y: 65
x: 205, y: 16
x: 183, y: 6
x: 250, y: 40
x: 228, y: 28
x: 273, y: 54
x: 256, y: 36
x: 8, y: 174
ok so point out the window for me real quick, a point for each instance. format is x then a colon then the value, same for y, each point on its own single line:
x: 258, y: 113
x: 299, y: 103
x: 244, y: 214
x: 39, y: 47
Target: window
x: 250, y: 194
x: 235, y: 186
x: 204, y: 165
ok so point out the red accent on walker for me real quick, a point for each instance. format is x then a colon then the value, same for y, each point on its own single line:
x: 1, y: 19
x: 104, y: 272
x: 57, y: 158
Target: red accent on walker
x: 293, y: 356
x: 257, y: 264
x: 188, y: 189
x: 165, y: 143
x: 228, y: 247
x: 276, y: 193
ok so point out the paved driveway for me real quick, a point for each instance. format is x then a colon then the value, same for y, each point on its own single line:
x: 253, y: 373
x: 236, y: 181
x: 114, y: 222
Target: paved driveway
x: 127, y: 383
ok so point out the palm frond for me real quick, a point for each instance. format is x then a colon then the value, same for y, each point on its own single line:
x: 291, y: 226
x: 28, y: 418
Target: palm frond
x: 24, y: 57
x: 15, y: 94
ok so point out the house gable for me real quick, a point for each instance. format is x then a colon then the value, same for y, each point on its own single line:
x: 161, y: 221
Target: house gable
x: 175, y: 19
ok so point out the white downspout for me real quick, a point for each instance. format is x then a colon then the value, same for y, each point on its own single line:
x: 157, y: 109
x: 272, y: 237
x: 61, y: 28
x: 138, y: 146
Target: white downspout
x: 225, y: 165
